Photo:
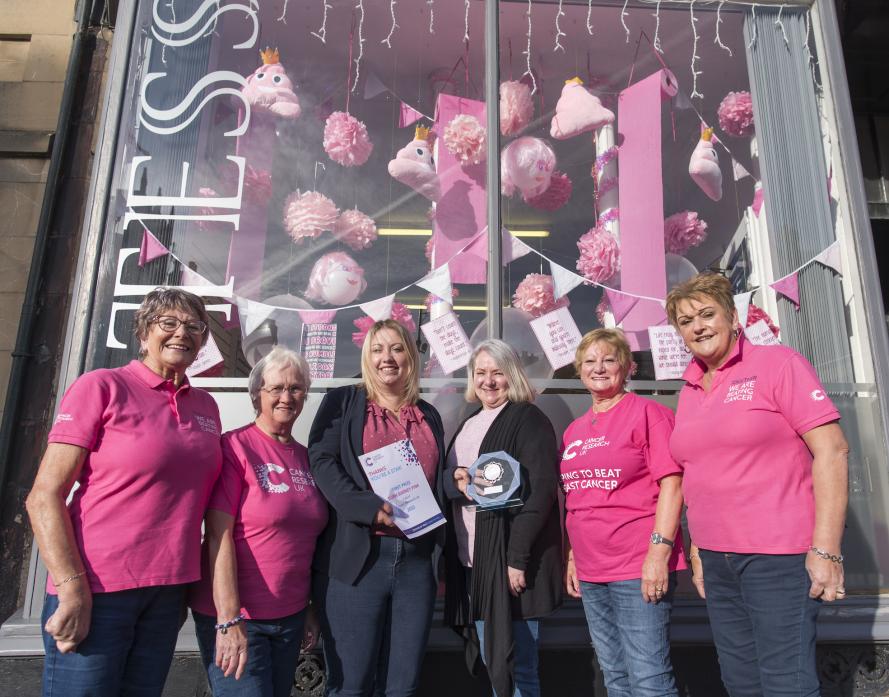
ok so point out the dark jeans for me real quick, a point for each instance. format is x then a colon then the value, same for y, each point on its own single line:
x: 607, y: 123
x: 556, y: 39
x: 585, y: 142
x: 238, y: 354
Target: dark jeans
x: 272, y: 655
x: 375, y: 631
x: 128, y: 650
x: 763, y: 623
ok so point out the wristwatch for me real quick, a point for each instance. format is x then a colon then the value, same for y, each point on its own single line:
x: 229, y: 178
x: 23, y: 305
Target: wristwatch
x: 658, y: 539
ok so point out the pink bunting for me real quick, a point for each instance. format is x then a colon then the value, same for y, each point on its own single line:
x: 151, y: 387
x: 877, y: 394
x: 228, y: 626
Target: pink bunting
x: 317, y: 316
x: 788, y: 287
x: 620, y: 303
x: 408, y: 116
x: 758, y: 200
x: 152, y: 248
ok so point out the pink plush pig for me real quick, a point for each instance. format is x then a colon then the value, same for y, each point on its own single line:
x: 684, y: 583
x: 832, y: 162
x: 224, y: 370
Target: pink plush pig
x: 578, y: 111
x: 703, y: 167
x: 269, y: 89
x: 413, y: 166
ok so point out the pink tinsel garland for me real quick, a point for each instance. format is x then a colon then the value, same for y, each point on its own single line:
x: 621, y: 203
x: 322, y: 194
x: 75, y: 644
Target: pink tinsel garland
x: 355, y: 229
x: 465, y: 139
x: 346, y: 140
x: 599, y: 255
x: 516, y: 107
x: 308, y: 215
x: 682, y: 231
x: 754, y: 314
x: 400, y: 314
x: 556, y: 195
x: 534, y: 295
x: 735, y: 114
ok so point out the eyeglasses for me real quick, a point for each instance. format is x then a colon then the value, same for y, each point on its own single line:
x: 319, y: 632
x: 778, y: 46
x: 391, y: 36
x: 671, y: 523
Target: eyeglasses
x: 294, y: 391
x: 171, y: 324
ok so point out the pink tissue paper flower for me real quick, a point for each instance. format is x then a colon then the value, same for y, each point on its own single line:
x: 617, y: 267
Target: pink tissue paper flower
x: 355, y: 229
x: 516, y: 107
x: 556, y: 195
x: 755, y: 313
x: 534, y: 295
x: 465, y: 139
x: 682, y: 231
x: 735, y: 114
x: 346, y: 140
x: 599, y: 255
x: 601, y: 308
x: 400, y: 313
x: 308, y: 215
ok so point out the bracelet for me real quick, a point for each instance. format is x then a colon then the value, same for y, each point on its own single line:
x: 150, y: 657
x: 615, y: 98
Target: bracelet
x: 71, y: 578
x: 225, y: 626
x: 835, y: 558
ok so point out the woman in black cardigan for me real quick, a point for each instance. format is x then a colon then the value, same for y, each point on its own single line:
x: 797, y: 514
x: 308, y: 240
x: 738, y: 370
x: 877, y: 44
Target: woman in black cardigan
x: 504, y: 566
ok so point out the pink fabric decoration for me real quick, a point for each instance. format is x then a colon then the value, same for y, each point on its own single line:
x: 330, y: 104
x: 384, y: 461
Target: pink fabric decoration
x: 703, y: 167
x: 620, y: 304
x: 516, y: 107
x: 735, y: 114
x: 599, y: 255
x: 408, y: 115
x: 151, y: 248
x: 413, y: 166
x: 465, y: 139
x: 788, y: 287
x: 400, y: 313
x: 682, y: 231
x: 754, y: 314
x: 336, y: 279
x: 308, y: 215
x: 578, y: 111
x: 356, y: 229
x: 556, y: 195
x: 526, y: 166
x: 270, y: 90
x: 758, y: 200
x: 346, y: 140
x: 534, y: 295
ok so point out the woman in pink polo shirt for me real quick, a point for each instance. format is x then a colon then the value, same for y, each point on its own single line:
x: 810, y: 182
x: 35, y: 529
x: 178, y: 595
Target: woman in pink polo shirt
x: 622, y: 504
x: 251, y: 606
x: 143, y: 445
x: 765, y: 481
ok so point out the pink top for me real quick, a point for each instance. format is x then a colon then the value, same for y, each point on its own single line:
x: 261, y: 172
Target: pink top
x: 279, y: 513
x: 463, y: 454
x: 381, y: 429
x: 748, y: 474
x: 611, y: 465
x: 153, y: 456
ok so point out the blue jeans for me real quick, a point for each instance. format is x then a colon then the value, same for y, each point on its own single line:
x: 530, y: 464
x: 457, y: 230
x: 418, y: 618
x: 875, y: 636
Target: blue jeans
x: 631, y: 637
x: 525, y: 634
x: 128, y: 650
x: 272, y: 655
x: 375, y: 631
x: 763, y: 623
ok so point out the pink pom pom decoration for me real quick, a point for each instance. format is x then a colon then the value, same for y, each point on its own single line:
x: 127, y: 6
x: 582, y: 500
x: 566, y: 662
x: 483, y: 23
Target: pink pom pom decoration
x: 465, y: 139
x: 400, y: 313
x: 735, y: 114
x: 336, y: 279
x: 346, y: 140
x: 556, y: 195
x: 754, y: 314
x: 526, y: 166
x: 599, y: 255
x: 308, y: 215
x: 682, y: 231
x: 534, y: 295
x: 516, y: 107
x: 602, y: 307
x: 355, y: 229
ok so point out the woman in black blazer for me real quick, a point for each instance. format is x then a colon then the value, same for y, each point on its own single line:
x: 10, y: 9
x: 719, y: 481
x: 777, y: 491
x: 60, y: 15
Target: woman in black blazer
x: 375, y: 588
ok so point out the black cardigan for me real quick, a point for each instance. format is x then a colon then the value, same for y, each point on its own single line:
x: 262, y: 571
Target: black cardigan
x: 527, y: 537
x: 335, y: 442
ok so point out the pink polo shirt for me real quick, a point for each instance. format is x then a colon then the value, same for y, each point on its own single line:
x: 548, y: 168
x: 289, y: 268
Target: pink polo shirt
x: 748, y: 473
x: 279, y: 513
x: 153, y: 457
x: 611, y: 465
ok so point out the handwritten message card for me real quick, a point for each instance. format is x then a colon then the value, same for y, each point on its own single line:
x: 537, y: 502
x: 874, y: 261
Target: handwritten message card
x: 759, y: 333
x: 558, y: 335
x: 669, y: 353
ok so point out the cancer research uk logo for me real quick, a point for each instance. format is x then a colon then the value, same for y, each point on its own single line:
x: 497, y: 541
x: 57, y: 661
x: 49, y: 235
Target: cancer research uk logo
x: 740, y: 390
x: 299, y: 479
x: 818, y: 395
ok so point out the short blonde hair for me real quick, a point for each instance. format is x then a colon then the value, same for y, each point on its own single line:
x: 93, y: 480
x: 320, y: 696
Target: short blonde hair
x: 368, y: 375
x: 518, y: 386
x: 613, y: 338
x: 705, y: 286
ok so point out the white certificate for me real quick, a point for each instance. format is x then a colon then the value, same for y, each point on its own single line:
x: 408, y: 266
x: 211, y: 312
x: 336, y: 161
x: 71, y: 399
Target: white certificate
x: 395, y: 474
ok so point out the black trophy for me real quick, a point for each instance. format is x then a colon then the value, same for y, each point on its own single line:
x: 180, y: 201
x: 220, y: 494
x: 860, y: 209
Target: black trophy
x: 495, y: 478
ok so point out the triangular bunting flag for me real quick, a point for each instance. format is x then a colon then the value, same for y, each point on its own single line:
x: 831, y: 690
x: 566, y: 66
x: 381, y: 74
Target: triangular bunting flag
x: 620, y: 303
x: 788, y: 287
x: 373, y: 86
x: 512, y: 247
x: 408, y: 115
x: 742, y: 305
x: 438, y: 282
x: 190, y: 277
x: 317, y: 316
x: 564, y: 281
x: 831, y: 257
x: 208, y: 358
x: 378, y: 309
x: 739, y: 171
x: 252, y: 314
x: 152, y: 248
x: 758, y: 200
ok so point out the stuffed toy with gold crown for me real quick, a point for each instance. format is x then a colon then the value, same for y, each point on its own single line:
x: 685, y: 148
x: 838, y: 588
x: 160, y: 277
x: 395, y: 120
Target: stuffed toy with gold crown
x: 413, y: 165
x: 270, y: 90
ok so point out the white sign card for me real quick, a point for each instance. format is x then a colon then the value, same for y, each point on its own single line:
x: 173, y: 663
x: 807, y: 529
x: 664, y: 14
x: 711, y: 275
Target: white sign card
x: 558, y: 335
x: 669, y: 353
x: 396, y: 475
x: 448, y: 341
x: 759, y: 333
x: 208, y: 357
x: 319, y: 349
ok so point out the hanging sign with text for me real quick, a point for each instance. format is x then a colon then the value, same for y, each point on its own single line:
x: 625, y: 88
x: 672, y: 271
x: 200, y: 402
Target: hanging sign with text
x: 558, y: 335
x: 448, y: 342
x: 668, y: 352
x: 760, y: 334
x: 319, y: 349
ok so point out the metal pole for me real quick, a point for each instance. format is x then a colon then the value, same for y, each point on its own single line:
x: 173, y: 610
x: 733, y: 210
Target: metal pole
x: 492, y: 100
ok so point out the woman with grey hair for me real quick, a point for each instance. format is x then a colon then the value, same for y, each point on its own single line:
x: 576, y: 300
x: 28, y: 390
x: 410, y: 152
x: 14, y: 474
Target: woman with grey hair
x: 504, y: 565
x: 143, y: 445
x: 251, y: 608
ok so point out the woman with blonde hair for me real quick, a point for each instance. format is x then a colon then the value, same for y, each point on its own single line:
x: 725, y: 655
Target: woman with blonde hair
x: 374, y: 587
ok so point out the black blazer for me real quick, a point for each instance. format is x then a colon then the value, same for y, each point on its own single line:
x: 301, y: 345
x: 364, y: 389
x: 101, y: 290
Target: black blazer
x: 335, y: 442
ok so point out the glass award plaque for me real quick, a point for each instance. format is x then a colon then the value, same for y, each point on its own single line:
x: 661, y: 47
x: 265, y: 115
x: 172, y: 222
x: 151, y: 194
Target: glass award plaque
x: 495, y: 478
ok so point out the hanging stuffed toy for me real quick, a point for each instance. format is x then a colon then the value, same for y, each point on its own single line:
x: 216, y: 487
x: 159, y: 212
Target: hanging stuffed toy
x: 578, y: 111
x: 346, y: 140
x: 703, y: 167
x: 308, y: 215
x: 516, y: 107
x: 336, y: 279
x: 526, y: 166
x: 269, y: 90
x: 355, y: 229
x: 735, y: 114
x: 465, y: 139
x: 413, y: 166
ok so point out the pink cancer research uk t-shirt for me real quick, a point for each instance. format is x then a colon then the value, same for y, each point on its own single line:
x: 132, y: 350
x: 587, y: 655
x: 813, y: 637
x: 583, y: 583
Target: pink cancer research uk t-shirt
x: 610, y: 468
x: 279, y: 513
x: 154, y: 455
x: 748, y: 473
